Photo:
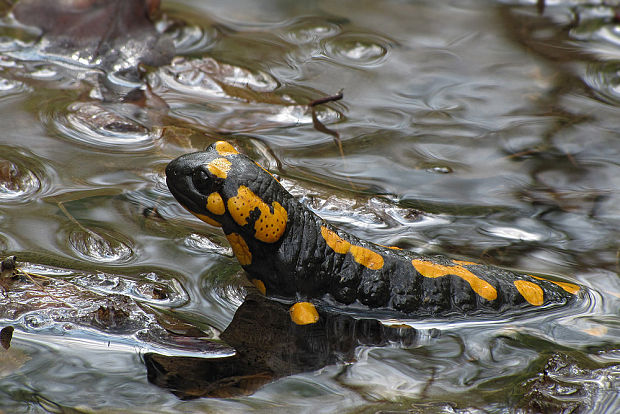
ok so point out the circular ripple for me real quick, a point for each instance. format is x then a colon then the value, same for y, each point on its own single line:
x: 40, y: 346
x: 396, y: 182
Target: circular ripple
x: 357, y: 49
x: 15, y: 182
x: 19, y: 176
x: 310, y: 30
x: 100, y: 246
x: 200, y: 244
x: 11, y: 87
x: 187, y: 38
x: 604, y: 79
x: 206, y: 77
x: 93, y: 124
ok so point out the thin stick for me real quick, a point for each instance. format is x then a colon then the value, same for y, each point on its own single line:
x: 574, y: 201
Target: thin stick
x: 326, y: 99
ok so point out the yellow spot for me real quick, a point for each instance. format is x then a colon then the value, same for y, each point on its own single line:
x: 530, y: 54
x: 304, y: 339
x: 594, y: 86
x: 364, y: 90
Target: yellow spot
x: 269, y: 226
x: 215, y: 204
x: 240, y: 248
x: 530, y: 291
x: 207, y: 219
x: 361, y: 255
x: 569, y: 287
x: 465, y: 263
x: 260, y: 286
x: 367, y: 257
x: 303, y: 313
x: 432, y: 270
x: 224, y: 148
x: 334, y: 241
x: 219, y: 167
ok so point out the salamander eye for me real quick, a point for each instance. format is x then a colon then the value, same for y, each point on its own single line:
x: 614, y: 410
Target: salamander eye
x: 204, y: 182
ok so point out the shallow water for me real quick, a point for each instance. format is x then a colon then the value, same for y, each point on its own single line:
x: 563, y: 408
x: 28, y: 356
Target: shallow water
x: 479, y: 129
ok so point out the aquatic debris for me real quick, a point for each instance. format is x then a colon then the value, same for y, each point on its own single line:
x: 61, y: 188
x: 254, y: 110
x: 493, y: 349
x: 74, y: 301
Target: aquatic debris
x: 115, y: 34
x: 6, y: 334
x: 8, y: 264
x: 568, y: 386
x: 59, y: 300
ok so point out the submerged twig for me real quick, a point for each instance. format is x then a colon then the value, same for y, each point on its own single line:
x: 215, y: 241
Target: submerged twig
x: 326, y: 99
x: 77, y: 223
x: 321, y: 127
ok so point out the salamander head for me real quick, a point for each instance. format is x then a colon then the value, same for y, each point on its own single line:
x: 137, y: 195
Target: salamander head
x: 227, y: 189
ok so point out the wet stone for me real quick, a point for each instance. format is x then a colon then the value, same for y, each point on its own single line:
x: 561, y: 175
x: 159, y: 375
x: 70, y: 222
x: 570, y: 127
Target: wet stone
x: 562, y: 386
x: 110, y: 317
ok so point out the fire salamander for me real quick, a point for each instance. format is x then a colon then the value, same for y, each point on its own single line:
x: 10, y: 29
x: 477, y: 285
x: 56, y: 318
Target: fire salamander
x: 289, y: 251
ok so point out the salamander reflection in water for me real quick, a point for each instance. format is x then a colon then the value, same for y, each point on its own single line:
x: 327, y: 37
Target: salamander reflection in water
x: 269, y: 345
x: 288, y: 251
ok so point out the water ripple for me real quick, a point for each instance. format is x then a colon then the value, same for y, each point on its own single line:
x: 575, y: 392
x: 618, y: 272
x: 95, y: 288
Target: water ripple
x: 20, y: 177
x: 208, y: 77
x: 187, y: 38
x: 308, y: 30
x: 93, y: 124
x: 12, y: 87
x: 15, y: 36
x: 100, y: 245
x: 15, y: 182
x: 201, y: 244
x: 147, y: 287
x: 357, y: 49
x: 604, y: 78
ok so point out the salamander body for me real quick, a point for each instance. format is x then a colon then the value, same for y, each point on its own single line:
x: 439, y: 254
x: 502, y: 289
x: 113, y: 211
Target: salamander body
x: 289, y: 251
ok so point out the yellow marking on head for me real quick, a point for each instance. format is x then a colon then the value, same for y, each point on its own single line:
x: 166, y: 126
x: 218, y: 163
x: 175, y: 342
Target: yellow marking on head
x: 215, y: 204
x: 269, y: 226
x: 204, y: 218
x: 366, y: 257
x: 334, y: 241
x: 569, y: 287
x: 432, y: 270
x: 530, y: 291
x: 219, y: 167
x: 303, y: 313
x: 240, y: 248
x: 207, y: 219
x: 224, y: 148
x: 260, y: 286
x: 361, y: 255
x: 465, y: 263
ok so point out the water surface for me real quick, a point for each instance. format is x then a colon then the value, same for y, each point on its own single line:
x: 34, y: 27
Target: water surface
x: 478, y: 129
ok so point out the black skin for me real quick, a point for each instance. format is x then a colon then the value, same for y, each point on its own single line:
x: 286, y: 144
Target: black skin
x: 301, y: 266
